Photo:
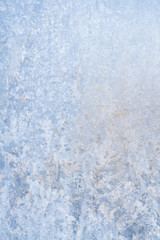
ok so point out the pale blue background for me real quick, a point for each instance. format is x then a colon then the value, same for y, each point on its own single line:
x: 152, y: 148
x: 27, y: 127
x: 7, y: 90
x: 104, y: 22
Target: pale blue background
x: 79, y: 120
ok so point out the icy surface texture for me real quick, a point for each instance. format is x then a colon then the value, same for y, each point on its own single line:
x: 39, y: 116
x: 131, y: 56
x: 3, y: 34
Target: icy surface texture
x: 79, y: 120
